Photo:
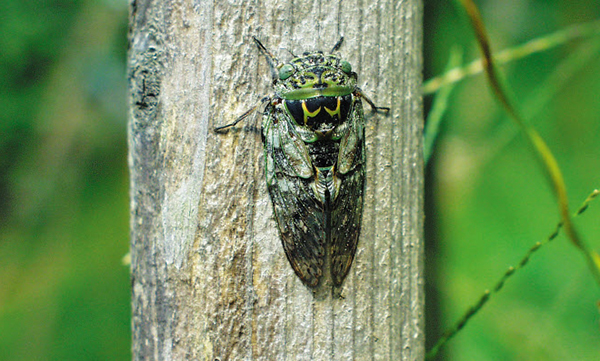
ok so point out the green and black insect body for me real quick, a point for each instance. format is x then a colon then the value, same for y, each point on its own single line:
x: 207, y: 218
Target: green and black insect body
x: 314, y: 140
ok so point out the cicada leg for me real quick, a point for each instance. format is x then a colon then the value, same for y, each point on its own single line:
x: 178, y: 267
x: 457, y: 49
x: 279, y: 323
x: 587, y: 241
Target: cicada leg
x: 243, y: 116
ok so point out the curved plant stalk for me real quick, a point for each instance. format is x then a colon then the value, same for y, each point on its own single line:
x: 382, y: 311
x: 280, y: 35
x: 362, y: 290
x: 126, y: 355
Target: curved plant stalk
x: 450, y: 333
x: 549, y: 163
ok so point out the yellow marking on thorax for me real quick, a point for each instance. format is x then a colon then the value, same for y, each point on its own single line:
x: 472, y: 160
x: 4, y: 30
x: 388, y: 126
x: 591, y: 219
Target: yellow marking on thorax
x: 335, y: 111
x: 307, y: 113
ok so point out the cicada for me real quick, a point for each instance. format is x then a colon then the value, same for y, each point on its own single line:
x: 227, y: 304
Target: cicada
x: 313, y: 131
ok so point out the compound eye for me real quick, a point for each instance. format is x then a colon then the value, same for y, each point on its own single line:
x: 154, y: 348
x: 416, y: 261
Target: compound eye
x: 346, y: 67
x: 286, y: 71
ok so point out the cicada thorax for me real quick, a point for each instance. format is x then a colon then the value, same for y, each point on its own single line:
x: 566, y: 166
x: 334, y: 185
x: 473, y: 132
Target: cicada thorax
x: 318, y: 120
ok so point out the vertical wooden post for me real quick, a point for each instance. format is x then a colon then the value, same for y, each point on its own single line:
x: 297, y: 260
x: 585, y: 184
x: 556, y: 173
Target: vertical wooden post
x: 209, y: 276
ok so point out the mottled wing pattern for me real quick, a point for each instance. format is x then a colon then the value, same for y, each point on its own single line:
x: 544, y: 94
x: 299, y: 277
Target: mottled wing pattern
x: 347, y: 206
x: 301, y: 219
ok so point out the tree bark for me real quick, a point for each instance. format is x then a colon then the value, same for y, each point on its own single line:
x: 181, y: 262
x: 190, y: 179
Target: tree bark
x: 210, y: 278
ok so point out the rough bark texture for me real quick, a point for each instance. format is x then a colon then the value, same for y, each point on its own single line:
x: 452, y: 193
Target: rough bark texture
x: 209, y: 276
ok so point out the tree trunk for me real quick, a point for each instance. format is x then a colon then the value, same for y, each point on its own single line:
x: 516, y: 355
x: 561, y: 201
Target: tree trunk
x: 209, y: 275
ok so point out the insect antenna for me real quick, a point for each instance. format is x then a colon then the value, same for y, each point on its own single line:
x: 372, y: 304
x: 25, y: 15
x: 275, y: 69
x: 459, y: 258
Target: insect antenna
x: 272, y: 60
x: 337, y: 45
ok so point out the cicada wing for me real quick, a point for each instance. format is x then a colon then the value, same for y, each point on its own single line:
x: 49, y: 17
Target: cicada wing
x: 347, y: 206
x: 300, y: 217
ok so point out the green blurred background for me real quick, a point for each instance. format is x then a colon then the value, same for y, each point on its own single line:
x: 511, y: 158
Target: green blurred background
x: 488, y: 201
x: 64, y: 292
